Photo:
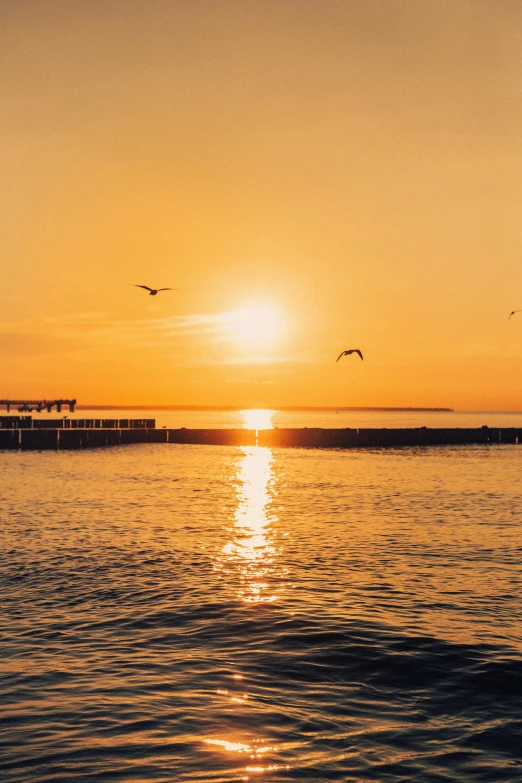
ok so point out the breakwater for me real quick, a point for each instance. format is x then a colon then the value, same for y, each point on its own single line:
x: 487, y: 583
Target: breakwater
x: 44, y: 434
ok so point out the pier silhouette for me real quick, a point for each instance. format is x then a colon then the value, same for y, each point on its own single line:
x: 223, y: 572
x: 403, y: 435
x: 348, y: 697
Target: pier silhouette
x: 26, y: 433
x: 27, y: 406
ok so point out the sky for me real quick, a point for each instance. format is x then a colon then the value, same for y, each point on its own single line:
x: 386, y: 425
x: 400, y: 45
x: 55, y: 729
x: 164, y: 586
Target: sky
x: 313, y: 175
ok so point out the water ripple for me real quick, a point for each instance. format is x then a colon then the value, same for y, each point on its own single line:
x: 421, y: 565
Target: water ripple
x: 312, y: 616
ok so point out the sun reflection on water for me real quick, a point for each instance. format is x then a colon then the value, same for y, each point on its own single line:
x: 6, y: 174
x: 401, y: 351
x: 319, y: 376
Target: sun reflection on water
x: 251, y: 565
x: 258, y: 419
x: 251, y: 553
x: 252, y: 749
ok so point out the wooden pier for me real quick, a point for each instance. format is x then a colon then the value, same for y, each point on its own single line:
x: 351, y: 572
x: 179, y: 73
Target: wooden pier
x: 37, y: 405
x: 26, y: 433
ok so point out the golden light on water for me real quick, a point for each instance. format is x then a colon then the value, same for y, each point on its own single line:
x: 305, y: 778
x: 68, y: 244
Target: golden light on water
x: 251, y: 552
x: 235, y: 747
x: 258, y: 419
x: 253, y: 749
x: 250, y: 562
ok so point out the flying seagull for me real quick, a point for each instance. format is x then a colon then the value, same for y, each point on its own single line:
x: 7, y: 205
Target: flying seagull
x: 513, y: 313
x: 347, y: 353
x: 154, y: 291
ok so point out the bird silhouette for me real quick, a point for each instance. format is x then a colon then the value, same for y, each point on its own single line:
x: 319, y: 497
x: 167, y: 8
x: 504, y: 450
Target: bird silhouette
x: 347, y: 353
x: 154, y: 291
x: 513, y: 313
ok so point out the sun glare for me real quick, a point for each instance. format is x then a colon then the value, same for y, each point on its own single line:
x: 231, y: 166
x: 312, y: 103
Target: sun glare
x: 257, y: 325
x: 258, y: 419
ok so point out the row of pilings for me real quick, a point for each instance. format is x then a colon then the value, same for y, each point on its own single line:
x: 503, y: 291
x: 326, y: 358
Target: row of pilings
x: 28, y: 423
x: 78, y: 438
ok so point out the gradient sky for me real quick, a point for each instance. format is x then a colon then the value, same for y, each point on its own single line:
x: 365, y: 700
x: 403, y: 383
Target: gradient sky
x: 353, y: 167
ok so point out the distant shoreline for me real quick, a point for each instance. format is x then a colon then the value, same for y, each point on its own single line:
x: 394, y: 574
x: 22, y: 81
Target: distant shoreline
x: 238, y: 408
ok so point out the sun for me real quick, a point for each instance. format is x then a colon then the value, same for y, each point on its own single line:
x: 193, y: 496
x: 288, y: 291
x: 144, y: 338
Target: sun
x: 257, y: 325
x: 258, y: 419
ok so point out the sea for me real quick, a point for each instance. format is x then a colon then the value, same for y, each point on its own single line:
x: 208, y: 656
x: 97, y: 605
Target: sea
x: 216, y: 614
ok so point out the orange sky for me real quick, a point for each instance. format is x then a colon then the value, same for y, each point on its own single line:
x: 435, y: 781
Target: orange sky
x: 354, y: 168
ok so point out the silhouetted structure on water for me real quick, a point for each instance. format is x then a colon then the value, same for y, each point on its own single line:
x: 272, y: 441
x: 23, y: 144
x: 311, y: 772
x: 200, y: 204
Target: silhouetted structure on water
x: 26, y: 406
x: 26, y: 433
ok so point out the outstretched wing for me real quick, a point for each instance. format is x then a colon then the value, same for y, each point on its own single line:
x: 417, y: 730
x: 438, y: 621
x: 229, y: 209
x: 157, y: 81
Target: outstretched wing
x: 168, y: 289
x: 348, y: 352
x: 146, y: 287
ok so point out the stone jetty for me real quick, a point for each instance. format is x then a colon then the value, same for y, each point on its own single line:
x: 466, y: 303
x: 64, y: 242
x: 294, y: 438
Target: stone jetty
x: 26, y: 433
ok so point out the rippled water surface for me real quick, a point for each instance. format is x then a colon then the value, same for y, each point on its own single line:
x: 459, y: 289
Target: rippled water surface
x: 188, y: 613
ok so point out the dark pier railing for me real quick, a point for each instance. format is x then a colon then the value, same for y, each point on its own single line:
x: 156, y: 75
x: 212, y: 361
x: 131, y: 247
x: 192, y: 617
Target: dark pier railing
x: 23, y: 432
x: 37, y: 405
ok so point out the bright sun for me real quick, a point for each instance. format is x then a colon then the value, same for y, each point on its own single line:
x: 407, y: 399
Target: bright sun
x: 257, y: 325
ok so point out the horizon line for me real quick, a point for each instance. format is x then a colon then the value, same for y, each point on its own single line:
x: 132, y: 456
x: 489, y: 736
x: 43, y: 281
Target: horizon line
x: 278, y: 408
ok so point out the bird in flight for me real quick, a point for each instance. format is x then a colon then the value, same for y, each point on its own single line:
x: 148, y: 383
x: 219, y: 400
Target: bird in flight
x: 513, y: 313
x: 347, y: 353
x: 154, y: 291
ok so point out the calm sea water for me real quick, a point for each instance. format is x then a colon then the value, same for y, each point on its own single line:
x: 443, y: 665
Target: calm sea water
x: 186, y: 613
